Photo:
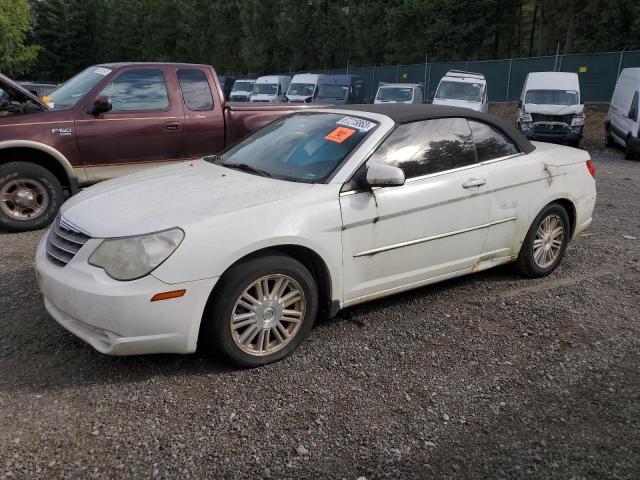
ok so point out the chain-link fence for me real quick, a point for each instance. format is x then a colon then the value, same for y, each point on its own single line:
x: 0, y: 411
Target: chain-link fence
x: 598, y: 73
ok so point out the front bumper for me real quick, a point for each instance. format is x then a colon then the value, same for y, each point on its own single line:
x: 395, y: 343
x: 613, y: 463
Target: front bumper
x: 118, y: 318
x: 559, y: 135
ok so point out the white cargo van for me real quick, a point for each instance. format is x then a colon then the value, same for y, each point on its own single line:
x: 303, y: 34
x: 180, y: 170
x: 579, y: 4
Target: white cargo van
x: 550, y: 108
x: 399, y: 93
x: 242, y: 89
x: 303, y: 87
x: 622, y: 119
x: 463, y: 89
x: 270, y: 88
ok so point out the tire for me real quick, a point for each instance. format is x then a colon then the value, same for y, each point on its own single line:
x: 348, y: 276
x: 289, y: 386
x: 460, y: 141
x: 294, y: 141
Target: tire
x: 217, y: 334
x: 608, y: 139
x: 574, y: 143
x: 528, y: 263
x: 629, y: 154
x: 30, y: 196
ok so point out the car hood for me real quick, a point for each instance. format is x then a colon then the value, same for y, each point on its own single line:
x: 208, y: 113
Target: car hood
x: 477, y: 106
x: 553, y: 109
x: 172, y: 196
x: 19, y: 91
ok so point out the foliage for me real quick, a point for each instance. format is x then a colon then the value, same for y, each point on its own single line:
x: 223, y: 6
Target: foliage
x: 260, y: 36
x: 15, y: 56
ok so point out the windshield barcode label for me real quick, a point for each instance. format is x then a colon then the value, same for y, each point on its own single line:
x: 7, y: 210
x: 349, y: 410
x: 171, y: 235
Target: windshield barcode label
x: 359, y: 123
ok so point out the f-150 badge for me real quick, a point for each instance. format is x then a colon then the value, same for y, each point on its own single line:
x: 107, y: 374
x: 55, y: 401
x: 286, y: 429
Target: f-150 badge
x: 61, y: 131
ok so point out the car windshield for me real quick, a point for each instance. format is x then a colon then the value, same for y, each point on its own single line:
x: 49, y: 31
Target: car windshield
x: 395, y: 94
x: 74, y: 89
x: 265, y: 89
x: 469, y: 92
x: 552, y: 97
x: 302, y: 147
x: 332, y: 91
x: 302, y: 89
x: 242, y: 86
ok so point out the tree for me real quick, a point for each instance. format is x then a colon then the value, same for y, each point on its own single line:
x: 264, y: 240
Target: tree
x: 15, y: 57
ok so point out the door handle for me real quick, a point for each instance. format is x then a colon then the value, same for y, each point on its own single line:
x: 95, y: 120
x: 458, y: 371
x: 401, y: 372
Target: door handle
x: 474, y: 182
x: 172, y: 126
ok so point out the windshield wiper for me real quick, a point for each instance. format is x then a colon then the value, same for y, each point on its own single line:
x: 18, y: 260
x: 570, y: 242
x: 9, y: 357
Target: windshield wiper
x: 247, y: 168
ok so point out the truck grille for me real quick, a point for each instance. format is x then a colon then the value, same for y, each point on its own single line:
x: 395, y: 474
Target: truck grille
x: 539, y: 117
x: 63, y: 242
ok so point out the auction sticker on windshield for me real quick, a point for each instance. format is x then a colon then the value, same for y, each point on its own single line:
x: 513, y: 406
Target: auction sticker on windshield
x: 340, y: 134
x: 359, y: 123
x: 102, y: 71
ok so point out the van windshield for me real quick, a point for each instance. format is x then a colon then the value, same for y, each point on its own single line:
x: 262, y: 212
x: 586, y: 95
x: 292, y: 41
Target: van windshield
x: 301, y: 147
x: 74, y: 89
x: 265, y: 89
x: 395, y: 94
x: 302, y: 89
x: 552, y: 97
x: 332, y: 91
x: 469, y: 92
x: 242, y: 86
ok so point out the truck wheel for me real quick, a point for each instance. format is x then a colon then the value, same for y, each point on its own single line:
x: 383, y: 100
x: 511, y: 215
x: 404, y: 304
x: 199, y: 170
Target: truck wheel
x: 30, y: 196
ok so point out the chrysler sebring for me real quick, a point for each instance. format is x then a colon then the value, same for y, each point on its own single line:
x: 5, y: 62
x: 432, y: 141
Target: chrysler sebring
x: 318, y: 211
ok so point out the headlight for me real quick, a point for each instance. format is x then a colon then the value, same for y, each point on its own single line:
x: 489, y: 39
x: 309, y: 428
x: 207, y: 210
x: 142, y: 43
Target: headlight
x: 577, y: 121
x: 526, y: 118
x: 134, y: 257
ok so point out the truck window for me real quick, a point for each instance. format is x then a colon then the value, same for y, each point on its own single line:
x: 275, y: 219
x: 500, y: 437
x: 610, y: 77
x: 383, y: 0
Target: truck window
x: 552, y: 97
x: 195, y: 89
x: 138, y: 90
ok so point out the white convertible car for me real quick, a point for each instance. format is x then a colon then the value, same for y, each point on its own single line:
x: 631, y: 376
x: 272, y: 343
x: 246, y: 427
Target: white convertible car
x: 317, y: 211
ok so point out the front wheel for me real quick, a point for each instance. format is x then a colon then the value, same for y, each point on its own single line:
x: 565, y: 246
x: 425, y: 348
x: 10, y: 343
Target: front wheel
x: 30, y: 196
x: 261, y: 311
x: 629, y: 153
x: 545, y: 243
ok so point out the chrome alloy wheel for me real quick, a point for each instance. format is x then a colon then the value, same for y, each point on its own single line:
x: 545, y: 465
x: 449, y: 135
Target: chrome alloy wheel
x: 548, y: 241
x: 267, y: 315
x: 23, y: 198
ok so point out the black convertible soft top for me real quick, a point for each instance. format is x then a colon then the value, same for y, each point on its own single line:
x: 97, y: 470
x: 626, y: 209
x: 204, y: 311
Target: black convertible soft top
x: 407, y: 113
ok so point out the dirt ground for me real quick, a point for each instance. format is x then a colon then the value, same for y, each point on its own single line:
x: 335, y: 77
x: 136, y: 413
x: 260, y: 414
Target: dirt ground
x: 486, y: 376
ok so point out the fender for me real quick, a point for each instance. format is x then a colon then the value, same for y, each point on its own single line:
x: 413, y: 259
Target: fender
x: 73, y: 174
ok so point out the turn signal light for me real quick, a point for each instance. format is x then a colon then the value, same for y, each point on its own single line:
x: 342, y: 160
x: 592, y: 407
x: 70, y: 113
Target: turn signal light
x: 592, y: 168
x: 167, y: 295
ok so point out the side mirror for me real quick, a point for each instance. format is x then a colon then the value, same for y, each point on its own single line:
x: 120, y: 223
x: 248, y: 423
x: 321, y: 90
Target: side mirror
x: 381, y: 175
x: 101, y: 104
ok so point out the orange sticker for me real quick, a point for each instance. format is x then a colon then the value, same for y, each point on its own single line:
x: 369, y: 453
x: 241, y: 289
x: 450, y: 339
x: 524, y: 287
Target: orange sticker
x: 340, y: 134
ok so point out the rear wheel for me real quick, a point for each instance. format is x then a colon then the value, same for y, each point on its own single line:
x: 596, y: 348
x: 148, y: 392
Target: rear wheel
x: 545, y: 243
x: 629, y: 153
x: 30, y: 196
x: 261, y: 311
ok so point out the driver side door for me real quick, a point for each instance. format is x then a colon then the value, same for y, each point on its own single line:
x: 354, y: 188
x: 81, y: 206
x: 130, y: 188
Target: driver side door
x: 144, y: 127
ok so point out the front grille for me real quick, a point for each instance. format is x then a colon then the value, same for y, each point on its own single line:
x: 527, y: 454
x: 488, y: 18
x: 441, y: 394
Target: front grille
x: 539, y: 117
x: 63, y: 242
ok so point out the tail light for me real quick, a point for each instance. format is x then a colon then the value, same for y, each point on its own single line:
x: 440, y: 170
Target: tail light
x: 592, y: 168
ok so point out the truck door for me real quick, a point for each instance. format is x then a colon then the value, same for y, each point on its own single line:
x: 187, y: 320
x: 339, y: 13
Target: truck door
x: 144, y: 127
x: 204, y: 121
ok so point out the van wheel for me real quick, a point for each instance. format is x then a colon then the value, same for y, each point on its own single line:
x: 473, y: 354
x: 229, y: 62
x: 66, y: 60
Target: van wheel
x: 30, y: 196
x: 629, y: 154
x: 261, y: 311
x: 608, y: 139
x: 545, y: 243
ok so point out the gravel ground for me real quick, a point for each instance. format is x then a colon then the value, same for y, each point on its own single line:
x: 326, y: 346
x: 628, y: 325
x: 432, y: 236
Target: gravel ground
x: 488, y: 376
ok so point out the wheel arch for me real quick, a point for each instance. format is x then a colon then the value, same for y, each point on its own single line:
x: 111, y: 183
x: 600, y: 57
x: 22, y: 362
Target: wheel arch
x: 43, y: 155
x: 570, y: 207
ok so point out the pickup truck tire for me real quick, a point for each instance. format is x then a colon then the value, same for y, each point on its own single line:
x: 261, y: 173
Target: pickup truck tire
x: 260, y: 311
x: 30, y: 196
x: 545, y: 243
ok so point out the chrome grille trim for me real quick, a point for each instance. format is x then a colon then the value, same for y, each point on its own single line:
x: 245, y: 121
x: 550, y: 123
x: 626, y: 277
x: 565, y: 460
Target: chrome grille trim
x: 63, y: 242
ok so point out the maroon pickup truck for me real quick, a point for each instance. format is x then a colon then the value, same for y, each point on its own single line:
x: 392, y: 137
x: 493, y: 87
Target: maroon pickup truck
x: 110, y: 120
